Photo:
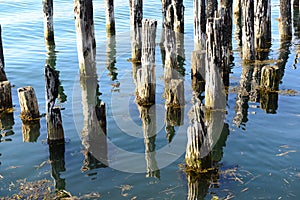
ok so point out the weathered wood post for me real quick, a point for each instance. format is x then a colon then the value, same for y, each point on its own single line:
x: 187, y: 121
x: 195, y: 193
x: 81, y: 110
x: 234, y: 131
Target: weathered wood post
x: 178, y: 16
x: 136, y: 16
x: 211, y: 8
x: 262, y: 28
x: 237, y: 7
x: 110, y: 18
x: 285, y: 19
x: 48, y: 21
x: 1, y: 50
x: 86, y: 43
x: 28, y: 104
x: 2, y: 72
x: 248, y: 50
x: 198, y: 55
x: 214, y: 87
x: 53, y: 114
x: 146, y: 83
x: 226, y: 45
x: 5, y: 96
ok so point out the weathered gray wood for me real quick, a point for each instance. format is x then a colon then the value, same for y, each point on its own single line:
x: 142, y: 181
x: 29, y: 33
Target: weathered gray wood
x: 28, y: 104
x: 214, y: 87
x: 198, y: 71
x: 110, y: 18
x: 262, y: 27
x: 285, y: 19
x: 248, y: 50
x: 211, y: 8
x: 53, y: 114
x: 199, y: 24
x: 31, y: 131
x: 146, y: 83
x: 136, y: 16
x: 178, y: 16
x: 48, y: 21
x: 1, y: 50
x: 55, y: 126
x: 237, y: 7
x: 2, y: 72
x: 5, y: 96
x: 86, y: 43
x: 196, y: 133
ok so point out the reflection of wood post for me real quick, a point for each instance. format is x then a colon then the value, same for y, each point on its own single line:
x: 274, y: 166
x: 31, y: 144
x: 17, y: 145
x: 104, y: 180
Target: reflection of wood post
x: 86, y: 43
x: 241, y: 107
x: 148, y: 117
x: 262, y: 27
x: 5, y: 96
x: 28, y: 104
x: 94, y: 125
x: 270, y: 79
x: 48, y: 21
x: 31, y: 131
x: 248, y: 30
x: 145, y: 92
x: 6, y: 121
x: 110, y: 18
x: 57, y: 161
x: 285, y: 19
x: 136, y: 16
x: 111, y: 57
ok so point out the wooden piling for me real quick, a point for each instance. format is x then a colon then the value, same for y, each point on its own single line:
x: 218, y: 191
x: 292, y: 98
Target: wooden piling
x: 211, y: 8
x: 199, y: 24
x: 178, y: 16
x: 285, y: 19
x: 28, y: 104
x: 53, y: 115
x: 2, y: 72
x: 1, y: 51
x: 145, y: 91
x: 86, y: 43
x: 5, y: 96
x: 262, y: 27
x: 237, y: 8
x: 214, y: 87
x: 136, y: 16
x: 110, y: 18
x: 48, y: 21
x: 248, y: 30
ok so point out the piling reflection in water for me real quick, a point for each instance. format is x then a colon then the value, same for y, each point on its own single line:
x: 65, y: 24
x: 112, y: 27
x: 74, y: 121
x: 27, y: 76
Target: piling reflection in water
x: 57, y: 161
x: 94, y: 128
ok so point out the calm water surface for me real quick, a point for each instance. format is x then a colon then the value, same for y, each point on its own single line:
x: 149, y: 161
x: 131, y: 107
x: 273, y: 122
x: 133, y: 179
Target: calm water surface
x: 258, y: 157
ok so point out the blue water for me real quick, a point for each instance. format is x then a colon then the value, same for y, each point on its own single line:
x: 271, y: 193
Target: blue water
x: 260, y: 159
